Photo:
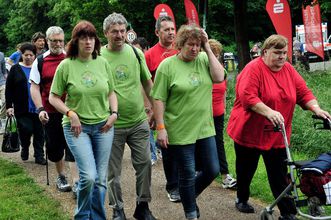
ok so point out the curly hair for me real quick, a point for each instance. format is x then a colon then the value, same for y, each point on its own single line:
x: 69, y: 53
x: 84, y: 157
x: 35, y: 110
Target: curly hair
x: 186, y: 32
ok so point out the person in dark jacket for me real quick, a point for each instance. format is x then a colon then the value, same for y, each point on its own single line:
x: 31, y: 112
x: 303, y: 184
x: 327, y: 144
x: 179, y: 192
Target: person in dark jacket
x: 20, y: 104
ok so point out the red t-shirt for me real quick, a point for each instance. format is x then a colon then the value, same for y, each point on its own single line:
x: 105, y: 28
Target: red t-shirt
x: 279, y: 90
x: 219, y: 90
x: 155, y: 55
x: 48, y: 71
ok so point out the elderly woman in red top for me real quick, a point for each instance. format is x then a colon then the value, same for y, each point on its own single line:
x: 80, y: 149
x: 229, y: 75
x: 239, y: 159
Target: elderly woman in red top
x: 266, y: 93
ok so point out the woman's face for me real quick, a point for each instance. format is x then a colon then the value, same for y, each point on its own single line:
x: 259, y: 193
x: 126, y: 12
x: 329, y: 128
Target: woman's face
x: 190, y: 50
x: 86, y: 45
x: 28, y: 57
x: 275, y: 58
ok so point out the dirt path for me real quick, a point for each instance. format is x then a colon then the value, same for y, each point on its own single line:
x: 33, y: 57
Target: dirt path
x: 215, y: 203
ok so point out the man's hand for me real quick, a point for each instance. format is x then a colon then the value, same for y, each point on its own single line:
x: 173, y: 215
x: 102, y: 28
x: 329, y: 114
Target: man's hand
x: 43, y: 117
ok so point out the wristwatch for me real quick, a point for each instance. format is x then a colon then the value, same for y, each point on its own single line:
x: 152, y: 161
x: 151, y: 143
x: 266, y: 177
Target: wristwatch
x: 115, y: 112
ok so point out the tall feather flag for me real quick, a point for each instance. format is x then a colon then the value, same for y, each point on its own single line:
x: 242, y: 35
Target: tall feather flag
x: 191, y: 13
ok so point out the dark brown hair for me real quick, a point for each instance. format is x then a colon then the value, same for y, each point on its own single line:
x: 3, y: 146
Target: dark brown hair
x: 83, y: 29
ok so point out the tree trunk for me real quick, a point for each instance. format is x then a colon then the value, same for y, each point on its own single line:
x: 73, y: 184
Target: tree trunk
x: 241, y: 36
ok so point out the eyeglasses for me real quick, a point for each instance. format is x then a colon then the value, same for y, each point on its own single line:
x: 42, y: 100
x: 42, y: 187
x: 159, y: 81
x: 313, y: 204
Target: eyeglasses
x: 56, y: 41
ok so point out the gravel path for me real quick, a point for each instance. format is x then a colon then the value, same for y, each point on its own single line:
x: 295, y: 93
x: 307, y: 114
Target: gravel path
x: 215, y: 203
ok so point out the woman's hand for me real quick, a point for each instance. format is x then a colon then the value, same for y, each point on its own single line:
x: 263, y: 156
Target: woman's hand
x: 10, y: 112
x: 321, y: 113
x: 204, y: 40
x: 110, y: 122
x: 76, y: 126
x: 275, y: 117
x: 162, y: 138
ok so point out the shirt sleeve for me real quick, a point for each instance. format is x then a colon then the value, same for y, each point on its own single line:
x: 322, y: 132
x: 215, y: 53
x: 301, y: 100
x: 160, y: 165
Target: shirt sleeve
x: 303, y: 93
x: 59, y: 81
x: 161, y: 86
x: 144, y: 72
x: 248, y: 87
x: 35, y: 74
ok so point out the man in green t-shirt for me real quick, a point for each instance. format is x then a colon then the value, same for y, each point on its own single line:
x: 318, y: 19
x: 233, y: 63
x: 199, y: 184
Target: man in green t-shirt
x: 131, y: 74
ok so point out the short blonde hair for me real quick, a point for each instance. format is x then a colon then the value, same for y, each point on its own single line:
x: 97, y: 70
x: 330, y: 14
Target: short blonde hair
x: 215, y: 46
x: 186, y: 32
x: 274, y: 41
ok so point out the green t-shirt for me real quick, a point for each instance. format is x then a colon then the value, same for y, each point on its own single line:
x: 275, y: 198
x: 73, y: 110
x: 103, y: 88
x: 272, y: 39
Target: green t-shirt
x: 88, y: 85
x: 186, y: 90
x: 129, y: 75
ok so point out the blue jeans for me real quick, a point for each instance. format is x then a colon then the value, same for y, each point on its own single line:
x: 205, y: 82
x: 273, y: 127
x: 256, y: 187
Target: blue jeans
x: 152, y: 145
x: 91, y: 150
x: 190, y: 184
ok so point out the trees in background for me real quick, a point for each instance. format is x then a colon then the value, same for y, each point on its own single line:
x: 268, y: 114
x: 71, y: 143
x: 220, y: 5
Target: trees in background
x: 21, y: 18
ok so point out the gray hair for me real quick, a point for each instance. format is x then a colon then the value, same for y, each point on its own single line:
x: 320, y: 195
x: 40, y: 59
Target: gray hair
x: 161, y: 19
x: 54, y: 30
x: 114, y: 18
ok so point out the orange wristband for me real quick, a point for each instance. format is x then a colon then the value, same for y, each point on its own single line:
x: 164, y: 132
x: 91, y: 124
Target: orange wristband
x: 160, y: 127
x: 69, y: 113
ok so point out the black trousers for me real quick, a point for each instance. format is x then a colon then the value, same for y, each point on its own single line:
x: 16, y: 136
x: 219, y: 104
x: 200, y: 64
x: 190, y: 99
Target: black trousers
x: 219, y: 127
x: 29, y: 125
x: 246, y: 164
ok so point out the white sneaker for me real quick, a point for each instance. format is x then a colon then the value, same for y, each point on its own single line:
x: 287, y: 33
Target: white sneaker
x: 229, y: 182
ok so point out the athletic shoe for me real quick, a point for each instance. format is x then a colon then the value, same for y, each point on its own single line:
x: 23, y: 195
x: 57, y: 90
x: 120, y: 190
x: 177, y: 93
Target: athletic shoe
x: 229, y: 182
x: 41, y: 161
x: 62, y: 184
x: 118, y: 214
x: 244, y: 207
x: 153, y: 162
x: 142, y: 212
x: 174, y: 196
x: 288, y: 217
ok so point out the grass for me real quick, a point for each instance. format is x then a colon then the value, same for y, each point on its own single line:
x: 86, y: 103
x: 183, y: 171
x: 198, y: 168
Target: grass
x: 22, y: 198
x: 306, y: 142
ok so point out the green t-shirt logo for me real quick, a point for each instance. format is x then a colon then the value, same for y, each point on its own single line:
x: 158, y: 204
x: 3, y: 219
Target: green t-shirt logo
x: 195, y: 79
x: 88, y: 79
x: 122, y: 72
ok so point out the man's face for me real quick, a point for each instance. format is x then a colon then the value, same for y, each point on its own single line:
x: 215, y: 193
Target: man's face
x: 116, y: 35
x: 40, y: 43
x: 166, y: 33
x: 56, y: 43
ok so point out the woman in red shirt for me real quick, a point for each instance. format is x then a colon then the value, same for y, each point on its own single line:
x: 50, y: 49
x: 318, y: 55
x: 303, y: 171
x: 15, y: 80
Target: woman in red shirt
x: 267, y: 91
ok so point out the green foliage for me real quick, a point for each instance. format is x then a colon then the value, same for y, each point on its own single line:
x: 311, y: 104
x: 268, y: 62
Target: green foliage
x: 21, y: 198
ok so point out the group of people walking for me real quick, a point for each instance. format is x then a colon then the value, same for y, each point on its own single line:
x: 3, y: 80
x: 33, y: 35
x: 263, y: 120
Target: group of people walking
x: 91, y: 101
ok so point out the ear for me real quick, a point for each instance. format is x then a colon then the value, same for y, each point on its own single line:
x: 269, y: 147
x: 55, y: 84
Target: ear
x: 157, y: 33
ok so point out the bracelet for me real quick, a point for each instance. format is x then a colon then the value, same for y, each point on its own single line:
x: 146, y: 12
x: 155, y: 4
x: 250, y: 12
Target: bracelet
x: 115, y: 112
x: 160, y: 127
x: 68, y: 113
x: 40, y: 109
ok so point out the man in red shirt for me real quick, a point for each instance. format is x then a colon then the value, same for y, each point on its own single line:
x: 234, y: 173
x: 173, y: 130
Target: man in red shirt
x: 40, y: 86
x: 165, y: 31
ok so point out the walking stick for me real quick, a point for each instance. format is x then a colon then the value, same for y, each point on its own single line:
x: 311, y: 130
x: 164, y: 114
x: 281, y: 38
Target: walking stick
x: 47, y: 175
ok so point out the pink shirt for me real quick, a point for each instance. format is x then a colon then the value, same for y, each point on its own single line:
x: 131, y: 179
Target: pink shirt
x: 219, y: 90
x: 279, y: 90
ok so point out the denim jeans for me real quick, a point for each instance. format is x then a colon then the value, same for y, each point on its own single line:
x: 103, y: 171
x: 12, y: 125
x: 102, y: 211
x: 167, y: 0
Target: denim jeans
x: 190, y: 184
x: 91, y: 150
x: 152, y: 145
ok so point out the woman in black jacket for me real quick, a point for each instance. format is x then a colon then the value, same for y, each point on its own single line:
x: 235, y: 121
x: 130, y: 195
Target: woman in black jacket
x: 19, y: 102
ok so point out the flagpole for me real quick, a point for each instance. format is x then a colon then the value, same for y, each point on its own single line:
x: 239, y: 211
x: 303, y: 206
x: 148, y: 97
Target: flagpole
x: 204, y: 21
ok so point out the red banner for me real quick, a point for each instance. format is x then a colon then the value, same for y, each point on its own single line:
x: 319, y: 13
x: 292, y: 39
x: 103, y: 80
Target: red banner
x: 313, y: 29
x: 280, y: 15
x: 164, y: 10
x: 191, y: 13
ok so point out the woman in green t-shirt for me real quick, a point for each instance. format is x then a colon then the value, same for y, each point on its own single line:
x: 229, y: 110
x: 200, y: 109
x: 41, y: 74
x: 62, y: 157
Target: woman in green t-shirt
x: 90, y: 111
x: 182, y: 95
